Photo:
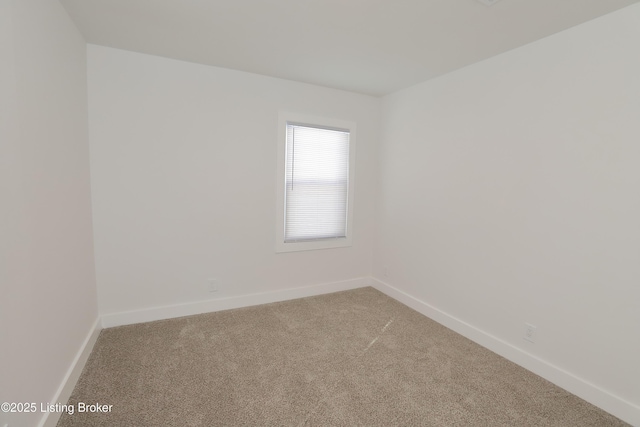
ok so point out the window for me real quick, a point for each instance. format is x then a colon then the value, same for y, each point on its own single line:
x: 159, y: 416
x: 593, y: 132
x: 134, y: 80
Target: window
x: 315, y: 183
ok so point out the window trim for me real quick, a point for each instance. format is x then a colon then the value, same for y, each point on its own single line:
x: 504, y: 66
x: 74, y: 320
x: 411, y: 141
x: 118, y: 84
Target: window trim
x: 285, y: 117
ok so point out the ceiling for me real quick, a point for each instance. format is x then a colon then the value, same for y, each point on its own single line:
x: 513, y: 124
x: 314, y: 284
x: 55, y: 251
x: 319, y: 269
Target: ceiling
x: 373, y: 47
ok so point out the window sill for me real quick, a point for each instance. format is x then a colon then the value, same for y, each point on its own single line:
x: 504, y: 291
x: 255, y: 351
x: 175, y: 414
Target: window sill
x: 342, y: 242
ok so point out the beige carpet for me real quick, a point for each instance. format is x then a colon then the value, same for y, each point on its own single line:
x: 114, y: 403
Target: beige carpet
x: 354, y: 358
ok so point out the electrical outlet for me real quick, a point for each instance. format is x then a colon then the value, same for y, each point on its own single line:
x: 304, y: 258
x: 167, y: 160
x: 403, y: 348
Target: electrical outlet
x: 385, y: 271
x: 529, y: 332
x: 213, y: 285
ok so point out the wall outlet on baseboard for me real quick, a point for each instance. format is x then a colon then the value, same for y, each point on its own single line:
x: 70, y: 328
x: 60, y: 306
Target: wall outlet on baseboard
x: 212, y: 285
x: 529, y: 332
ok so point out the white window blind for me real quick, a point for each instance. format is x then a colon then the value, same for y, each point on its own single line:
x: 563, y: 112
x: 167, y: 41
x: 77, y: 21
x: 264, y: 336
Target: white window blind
x: 317, y: 183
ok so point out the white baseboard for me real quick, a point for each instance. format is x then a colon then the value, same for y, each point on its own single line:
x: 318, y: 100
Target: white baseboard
x: 50, y: 419
x: 189, y: 309
x: 593, y: 394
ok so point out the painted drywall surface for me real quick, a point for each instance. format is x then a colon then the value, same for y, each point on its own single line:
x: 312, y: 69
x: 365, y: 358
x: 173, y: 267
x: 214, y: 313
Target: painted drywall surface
x: 47, y: 292
x: 510, y: 193
x: 183, y: 164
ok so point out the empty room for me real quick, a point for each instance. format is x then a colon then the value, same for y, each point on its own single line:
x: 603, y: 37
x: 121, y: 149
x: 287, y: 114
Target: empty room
x: 319, y: 213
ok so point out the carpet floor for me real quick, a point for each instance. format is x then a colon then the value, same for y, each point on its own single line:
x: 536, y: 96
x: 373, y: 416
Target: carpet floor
x: 353, y: 358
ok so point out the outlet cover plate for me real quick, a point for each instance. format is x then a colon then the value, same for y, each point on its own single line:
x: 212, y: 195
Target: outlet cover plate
x: 529, y: 332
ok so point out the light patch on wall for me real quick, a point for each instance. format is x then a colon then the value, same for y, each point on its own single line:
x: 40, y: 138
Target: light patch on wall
x: 489, y: 2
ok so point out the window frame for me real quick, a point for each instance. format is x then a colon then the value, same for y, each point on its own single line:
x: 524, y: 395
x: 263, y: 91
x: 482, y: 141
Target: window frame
x: 285, y: 117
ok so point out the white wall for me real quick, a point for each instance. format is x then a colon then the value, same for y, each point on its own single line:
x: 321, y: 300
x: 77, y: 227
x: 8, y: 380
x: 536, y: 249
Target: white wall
x: 47, y: 281
x: 183, y: 165
x: 510, y: 193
